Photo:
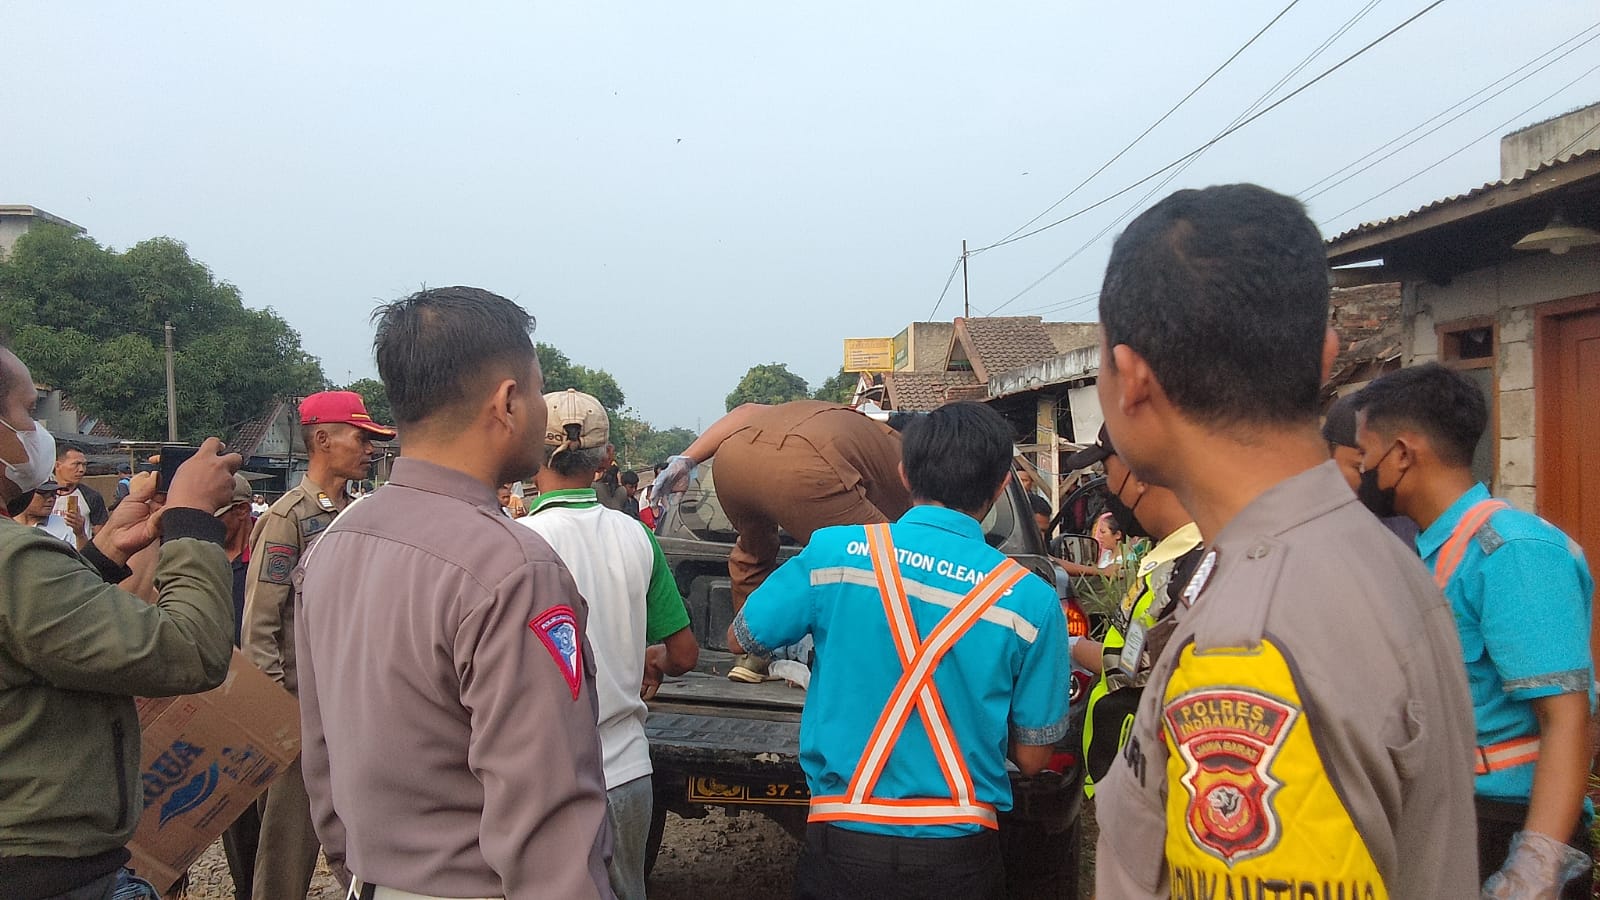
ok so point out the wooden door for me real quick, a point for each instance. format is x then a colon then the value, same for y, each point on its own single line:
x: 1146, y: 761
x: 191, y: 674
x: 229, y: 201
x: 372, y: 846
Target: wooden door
x: 1569, y: 427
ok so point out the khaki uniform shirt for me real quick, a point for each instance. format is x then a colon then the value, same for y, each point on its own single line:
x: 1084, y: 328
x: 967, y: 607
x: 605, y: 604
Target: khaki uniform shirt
x: 448, y: 699
x: 1373, y: 723
x: 278, y: 541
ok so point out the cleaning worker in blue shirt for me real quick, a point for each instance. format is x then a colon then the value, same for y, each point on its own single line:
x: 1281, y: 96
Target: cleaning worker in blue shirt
x: 934, y: 655
x: 1522, y: 594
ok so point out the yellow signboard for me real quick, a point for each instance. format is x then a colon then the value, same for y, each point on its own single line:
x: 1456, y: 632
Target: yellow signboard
x: 869, y: 354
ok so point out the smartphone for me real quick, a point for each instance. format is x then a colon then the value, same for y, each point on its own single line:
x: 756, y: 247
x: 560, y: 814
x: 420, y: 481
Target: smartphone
x: 172, y: 456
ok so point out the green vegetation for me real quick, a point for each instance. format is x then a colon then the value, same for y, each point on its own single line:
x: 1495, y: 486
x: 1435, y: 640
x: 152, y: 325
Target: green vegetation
x: 88, y: 320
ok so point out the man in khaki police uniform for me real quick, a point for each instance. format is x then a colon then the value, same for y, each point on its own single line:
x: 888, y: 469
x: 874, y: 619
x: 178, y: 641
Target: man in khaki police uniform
x: 1307, y: 730
x: 448, y: 695
x: 338, y: 437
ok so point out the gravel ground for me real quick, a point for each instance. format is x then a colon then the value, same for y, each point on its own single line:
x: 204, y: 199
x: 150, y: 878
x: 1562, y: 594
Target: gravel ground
x: 720, y: 855
x: 697, y: 856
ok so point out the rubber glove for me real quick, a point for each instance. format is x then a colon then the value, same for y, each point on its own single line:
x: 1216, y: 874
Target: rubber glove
x: 674, y: 479
x: 1536, y: 869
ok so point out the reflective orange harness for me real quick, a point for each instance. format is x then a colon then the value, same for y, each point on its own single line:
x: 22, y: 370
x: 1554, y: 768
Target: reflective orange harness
x: 916, y: 692
x: 1517, y: 751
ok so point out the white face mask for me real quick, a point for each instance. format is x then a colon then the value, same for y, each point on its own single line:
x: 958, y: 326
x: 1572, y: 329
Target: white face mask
x: 40, y: 446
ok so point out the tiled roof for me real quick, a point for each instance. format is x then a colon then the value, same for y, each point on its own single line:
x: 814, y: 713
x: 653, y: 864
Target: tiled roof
x: 1002, y: 343
x: 251, y: 432
x: 1367, y: 227
x: 924, y: 391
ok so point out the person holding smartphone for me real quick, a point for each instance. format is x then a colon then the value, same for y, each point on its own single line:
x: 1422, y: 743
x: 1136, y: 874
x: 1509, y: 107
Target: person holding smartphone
x: 76, y: 650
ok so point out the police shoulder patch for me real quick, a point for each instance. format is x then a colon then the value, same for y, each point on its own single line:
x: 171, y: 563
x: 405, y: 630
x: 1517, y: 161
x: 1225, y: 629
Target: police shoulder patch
x: 557, y: 628
x: 1227, y: 738
x: 278, y: 567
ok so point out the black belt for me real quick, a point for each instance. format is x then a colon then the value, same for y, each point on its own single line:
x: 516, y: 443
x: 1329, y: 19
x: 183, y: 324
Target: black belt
x: 895, y: 850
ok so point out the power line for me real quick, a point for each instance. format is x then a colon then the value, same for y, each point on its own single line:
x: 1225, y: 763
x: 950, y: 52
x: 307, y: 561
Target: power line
x: 1462, y: 149
x: 947, y: 282
x: 1164, y: 116
x: 1431, y: 131
x: 1299, y: 67
x: 1575, y: 141
x: 1207, y: 145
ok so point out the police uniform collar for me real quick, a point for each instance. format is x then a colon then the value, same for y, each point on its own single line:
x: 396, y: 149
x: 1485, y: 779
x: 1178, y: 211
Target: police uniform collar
x: 1434, y: 536
x: 1171, y: 547
x: 433, y: 478
x: 945, y: 519
x: 1291, y: 502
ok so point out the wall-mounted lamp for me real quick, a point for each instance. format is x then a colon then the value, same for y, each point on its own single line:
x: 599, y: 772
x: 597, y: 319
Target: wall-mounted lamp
x: 1558, y: 237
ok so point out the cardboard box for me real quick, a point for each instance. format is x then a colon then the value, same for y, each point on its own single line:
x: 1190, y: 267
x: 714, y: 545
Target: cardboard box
x: 204, y: 758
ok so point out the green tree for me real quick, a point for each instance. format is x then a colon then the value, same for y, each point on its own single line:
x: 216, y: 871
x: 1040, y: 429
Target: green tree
x: 769, y: 383
x: 561, y: 373
x: 89, y: 320
x: 839, y: 388
x: 375, y: 397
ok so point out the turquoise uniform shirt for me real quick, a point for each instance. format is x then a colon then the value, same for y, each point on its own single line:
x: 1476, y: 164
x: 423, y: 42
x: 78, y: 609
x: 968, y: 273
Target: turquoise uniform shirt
x: 1521, y: 597
x: 1005, y: 678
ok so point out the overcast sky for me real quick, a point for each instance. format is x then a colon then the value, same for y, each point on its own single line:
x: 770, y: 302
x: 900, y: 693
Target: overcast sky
x: 680, y: 191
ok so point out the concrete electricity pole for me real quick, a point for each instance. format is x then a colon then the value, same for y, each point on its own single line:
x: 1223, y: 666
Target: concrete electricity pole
x: 172, y: 393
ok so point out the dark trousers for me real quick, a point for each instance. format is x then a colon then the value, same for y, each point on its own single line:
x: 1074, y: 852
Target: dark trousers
x: 1499, y: 821
x: 239, y: 845
x: 839, y: 864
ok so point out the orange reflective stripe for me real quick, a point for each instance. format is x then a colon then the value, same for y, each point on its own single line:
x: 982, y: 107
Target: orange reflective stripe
x: 1455, y: 548
x: 897, y: 608
x: 916, y: 690
x: 1507, y: 755
x: 920, y: 674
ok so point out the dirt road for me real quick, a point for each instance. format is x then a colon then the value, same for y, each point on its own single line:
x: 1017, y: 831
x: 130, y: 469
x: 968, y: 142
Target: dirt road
x: 701, y: 858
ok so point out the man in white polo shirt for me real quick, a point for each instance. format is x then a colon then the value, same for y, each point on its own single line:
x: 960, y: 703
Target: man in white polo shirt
x: 638, y: 625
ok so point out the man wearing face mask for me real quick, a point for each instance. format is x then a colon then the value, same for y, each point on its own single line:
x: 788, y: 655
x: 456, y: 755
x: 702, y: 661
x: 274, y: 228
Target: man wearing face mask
x: 1142, y: 623
x: 1339, y: 428
x: 1307, y: 730
x: 75, y: 651
x: 338, y: 433
x: 1522, y: 595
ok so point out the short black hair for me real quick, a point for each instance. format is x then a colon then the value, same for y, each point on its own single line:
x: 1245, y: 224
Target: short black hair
x: 436, y: 345
x: 630, y: 477
x: 1438, y: 401
x: 568, y: 463
x: 63, y: 449
x: 1225, y: 292
x: 1041, y: 506
x: 957, y: 456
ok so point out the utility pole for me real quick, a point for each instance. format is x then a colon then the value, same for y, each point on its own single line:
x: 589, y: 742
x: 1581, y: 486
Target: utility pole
x: 172, y: 393
x: 966, y: 293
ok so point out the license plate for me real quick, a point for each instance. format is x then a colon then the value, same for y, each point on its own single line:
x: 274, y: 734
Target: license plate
x: 784, y: 793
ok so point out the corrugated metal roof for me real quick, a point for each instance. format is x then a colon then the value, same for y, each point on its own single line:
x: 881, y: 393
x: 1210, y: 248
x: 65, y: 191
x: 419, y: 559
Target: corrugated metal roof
x: 1369, y: 227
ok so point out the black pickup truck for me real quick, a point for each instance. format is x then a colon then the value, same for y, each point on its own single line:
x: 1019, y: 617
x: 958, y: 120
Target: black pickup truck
x: 716, y: 743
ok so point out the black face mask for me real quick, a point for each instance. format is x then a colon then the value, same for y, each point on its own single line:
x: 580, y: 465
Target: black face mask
x: 1123, y: 513
x: 19, y: 505
x: 1380, y: 500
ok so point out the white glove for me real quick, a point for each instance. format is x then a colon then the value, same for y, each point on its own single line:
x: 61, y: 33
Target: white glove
x: 674, y: 479
x: 1537, y: 867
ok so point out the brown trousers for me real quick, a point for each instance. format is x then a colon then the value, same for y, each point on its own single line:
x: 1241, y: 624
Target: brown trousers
x: 767, y: 481
x: 286, y: 856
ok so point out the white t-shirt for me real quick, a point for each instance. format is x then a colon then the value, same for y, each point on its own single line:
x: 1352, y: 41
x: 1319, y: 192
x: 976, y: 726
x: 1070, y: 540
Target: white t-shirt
x: 610, y: 558
x: 83, y: 510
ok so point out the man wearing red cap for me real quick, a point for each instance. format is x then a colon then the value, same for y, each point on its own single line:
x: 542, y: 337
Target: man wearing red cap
x: 338, y: 435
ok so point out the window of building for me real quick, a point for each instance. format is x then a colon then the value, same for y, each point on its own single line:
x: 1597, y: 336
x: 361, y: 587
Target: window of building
x: 1470, y: 346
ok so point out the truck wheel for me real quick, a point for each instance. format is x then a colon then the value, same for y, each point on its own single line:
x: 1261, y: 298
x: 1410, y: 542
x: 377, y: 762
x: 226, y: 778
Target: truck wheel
x: 1040, y: 864
x: 652, y: 841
